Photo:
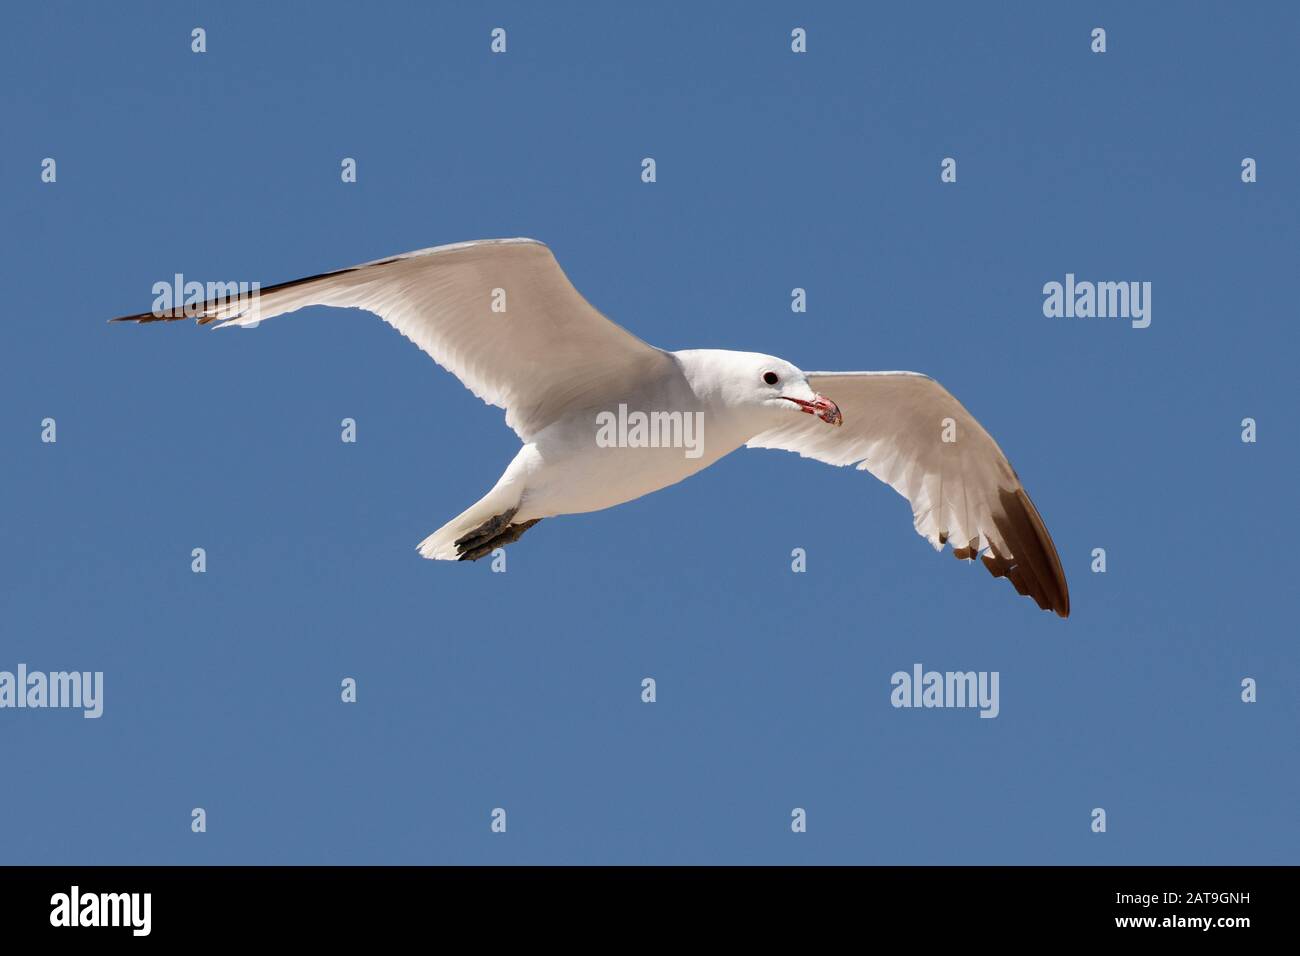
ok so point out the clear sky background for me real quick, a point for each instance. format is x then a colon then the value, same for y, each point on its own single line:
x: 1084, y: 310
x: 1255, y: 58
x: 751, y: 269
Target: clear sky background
x: 522, y: 690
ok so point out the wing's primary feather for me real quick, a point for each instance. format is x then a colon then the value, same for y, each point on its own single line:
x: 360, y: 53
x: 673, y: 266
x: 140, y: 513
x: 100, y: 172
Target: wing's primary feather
x: 548, y: 351
x: 963, y: 490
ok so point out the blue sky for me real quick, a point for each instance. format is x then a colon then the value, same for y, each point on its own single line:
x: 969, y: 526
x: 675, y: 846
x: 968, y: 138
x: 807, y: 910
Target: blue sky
x: 522, y: 690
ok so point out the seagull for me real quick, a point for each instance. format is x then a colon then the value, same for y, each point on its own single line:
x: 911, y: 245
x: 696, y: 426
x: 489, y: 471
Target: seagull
x: 605, y: 418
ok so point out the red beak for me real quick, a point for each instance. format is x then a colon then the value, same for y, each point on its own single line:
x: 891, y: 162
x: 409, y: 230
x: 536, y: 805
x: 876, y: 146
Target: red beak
x: 822, y: 407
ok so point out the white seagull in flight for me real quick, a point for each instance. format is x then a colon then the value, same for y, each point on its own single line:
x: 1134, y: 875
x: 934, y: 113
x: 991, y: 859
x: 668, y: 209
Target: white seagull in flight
x: 563, y: 372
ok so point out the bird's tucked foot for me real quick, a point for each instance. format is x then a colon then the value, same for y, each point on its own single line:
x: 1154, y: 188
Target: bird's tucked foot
x: 488, y: 529
x: 494, y: 533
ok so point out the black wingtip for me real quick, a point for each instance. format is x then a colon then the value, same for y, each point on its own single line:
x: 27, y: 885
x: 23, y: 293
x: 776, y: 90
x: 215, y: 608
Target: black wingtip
x: 143, y: 317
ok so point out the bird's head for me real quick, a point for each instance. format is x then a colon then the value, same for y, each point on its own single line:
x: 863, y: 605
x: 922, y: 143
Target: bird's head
x: 775, y: 384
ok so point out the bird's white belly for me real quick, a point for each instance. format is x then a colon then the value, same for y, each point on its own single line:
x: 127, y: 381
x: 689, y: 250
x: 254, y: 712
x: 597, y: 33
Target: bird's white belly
x: 569, y: 473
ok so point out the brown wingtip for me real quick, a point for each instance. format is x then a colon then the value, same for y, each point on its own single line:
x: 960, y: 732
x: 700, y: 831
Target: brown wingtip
x: 1060, y: 590
x: 1033, y: 567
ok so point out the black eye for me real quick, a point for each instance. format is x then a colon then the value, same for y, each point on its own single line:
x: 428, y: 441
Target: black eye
x: 770, y: 378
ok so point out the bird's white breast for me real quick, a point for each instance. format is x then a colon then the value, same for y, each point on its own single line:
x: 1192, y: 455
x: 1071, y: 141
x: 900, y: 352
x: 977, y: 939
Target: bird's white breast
x: 639, y: 442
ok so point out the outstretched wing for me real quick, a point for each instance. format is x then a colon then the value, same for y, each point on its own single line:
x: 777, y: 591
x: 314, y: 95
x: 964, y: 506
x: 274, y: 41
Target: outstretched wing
x: 541, y: 351
x: 908, y: 431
